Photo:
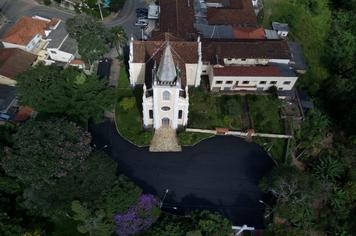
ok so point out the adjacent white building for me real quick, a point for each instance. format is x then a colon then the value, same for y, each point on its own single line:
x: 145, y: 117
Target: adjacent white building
x: 252, y: 78
x: 166, y: 66
x: 61, y: 47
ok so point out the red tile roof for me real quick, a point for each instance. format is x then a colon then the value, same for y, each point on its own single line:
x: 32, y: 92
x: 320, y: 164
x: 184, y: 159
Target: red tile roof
x: 77, y: 62
x: 177, y: 17
x: 269, y: 49
x: 14, y: 61
x: 247, y: 71
x: 239, y: 13
x: 24, y: 113
x: 249, y: 33
x: 183, y: 52
x: 26, y: 29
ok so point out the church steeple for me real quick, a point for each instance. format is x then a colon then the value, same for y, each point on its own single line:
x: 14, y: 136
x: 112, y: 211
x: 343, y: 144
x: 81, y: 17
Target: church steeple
x: 167, y: 70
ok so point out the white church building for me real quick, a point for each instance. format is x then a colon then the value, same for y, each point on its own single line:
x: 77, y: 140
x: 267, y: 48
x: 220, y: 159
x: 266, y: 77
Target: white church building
x: 165, y: 67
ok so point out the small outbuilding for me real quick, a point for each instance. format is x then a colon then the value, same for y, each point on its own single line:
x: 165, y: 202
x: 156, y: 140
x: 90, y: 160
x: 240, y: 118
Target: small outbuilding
x: 281, y: 28
x: 104, y: 68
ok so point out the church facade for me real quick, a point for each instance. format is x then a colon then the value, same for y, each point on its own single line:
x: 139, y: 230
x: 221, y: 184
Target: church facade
x: 165, y: 68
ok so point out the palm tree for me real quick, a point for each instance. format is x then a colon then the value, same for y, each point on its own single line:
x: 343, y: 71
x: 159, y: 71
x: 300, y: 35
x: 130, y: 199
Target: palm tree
x: 118, y: 38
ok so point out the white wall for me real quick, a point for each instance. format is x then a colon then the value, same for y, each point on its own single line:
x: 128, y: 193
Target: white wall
x: 155, y: 103
x: 254, y: 82
x: 137, y: 73
x: 33, y: 42
x: 11, y: 45
x: 245, y: 61
x: 280, y: 61
x: 191, y: 73
x: 205, y: 69
x: 7, y: 81
x: 58, y: 55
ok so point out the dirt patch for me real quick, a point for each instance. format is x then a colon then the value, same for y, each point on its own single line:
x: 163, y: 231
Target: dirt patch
x: 298, y: 164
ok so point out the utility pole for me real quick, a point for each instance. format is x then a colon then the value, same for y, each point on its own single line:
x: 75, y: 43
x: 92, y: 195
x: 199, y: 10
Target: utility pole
x: 165, y: 194
x: 101, y: 14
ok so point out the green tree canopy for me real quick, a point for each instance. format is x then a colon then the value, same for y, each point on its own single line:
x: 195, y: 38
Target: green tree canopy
x: 211, y: 223
x: 92, y: 222
x: 44, y: 151
x: 85, y: 183
x: 69, y: 92
x: 91, y: 36
x: 120, y: 196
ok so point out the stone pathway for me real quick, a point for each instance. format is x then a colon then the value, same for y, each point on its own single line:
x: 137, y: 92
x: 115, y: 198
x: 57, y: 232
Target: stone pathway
x: 165, y: 140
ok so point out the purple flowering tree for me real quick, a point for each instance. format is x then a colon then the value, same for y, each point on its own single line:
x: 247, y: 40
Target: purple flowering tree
x: 139, y: 217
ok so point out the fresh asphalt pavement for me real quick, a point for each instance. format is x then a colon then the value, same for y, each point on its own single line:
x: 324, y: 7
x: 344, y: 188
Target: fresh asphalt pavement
x: 220, y: 174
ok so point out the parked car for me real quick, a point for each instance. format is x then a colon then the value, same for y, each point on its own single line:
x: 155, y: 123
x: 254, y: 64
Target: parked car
x: 141, y: 11
x: 141, y: 22
x: 4, y: 117
x: 142, y: 15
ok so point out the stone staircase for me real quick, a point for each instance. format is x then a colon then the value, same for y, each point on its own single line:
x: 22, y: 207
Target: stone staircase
x: 165, y: 140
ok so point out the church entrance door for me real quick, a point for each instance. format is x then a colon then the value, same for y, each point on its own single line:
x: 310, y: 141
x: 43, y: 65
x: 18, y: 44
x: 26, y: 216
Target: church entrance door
x: 165, y: 122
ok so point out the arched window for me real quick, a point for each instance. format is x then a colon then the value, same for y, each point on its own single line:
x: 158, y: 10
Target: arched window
x: 166, y: 95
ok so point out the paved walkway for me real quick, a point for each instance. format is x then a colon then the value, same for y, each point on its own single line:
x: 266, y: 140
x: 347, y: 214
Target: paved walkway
x: 165, y: 140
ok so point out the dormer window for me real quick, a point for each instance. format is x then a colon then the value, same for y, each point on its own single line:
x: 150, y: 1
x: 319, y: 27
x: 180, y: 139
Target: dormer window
x: 229, y: 59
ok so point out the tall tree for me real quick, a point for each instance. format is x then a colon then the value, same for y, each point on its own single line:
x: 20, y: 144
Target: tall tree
x: 118, y: 37
x: 44, y: 151
x: 69, y: 92
x: 211, y: 223
x: 91, y: 36
x: 92, y: 223
x: 85, y: 183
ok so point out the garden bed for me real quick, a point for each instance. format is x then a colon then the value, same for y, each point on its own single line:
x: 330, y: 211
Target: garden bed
x: 192, y: 138
x: 128, y: 113
x: 208, y: 111
x: 264, y: 112
x: 274, y: 147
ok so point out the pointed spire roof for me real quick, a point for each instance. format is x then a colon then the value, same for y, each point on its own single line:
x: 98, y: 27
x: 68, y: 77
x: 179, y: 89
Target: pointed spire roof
x: 167, y: 70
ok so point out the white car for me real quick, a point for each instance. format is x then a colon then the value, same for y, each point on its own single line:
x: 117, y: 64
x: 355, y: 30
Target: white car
x: 141, y: 22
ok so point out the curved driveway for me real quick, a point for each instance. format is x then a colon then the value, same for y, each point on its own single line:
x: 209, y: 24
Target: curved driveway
x: 220, y: 173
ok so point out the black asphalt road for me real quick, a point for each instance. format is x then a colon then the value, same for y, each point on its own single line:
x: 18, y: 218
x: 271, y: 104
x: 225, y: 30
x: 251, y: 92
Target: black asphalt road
x: 220, y: 173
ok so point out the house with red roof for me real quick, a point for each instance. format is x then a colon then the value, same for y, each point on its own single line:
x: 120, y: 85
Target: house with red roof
x: 47, y: 38
x: 14, y: 61
x: 28, y: 32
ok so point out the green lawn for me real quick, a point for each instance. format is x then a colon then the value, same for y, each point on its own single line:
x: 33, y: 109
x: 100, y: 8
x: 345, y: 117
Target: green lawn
x: 192, y: 138
x: 208, y: 111
x: 274, y: 147
x: 264, y: 111
x: 128, y: 112
x: 123, y: 78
